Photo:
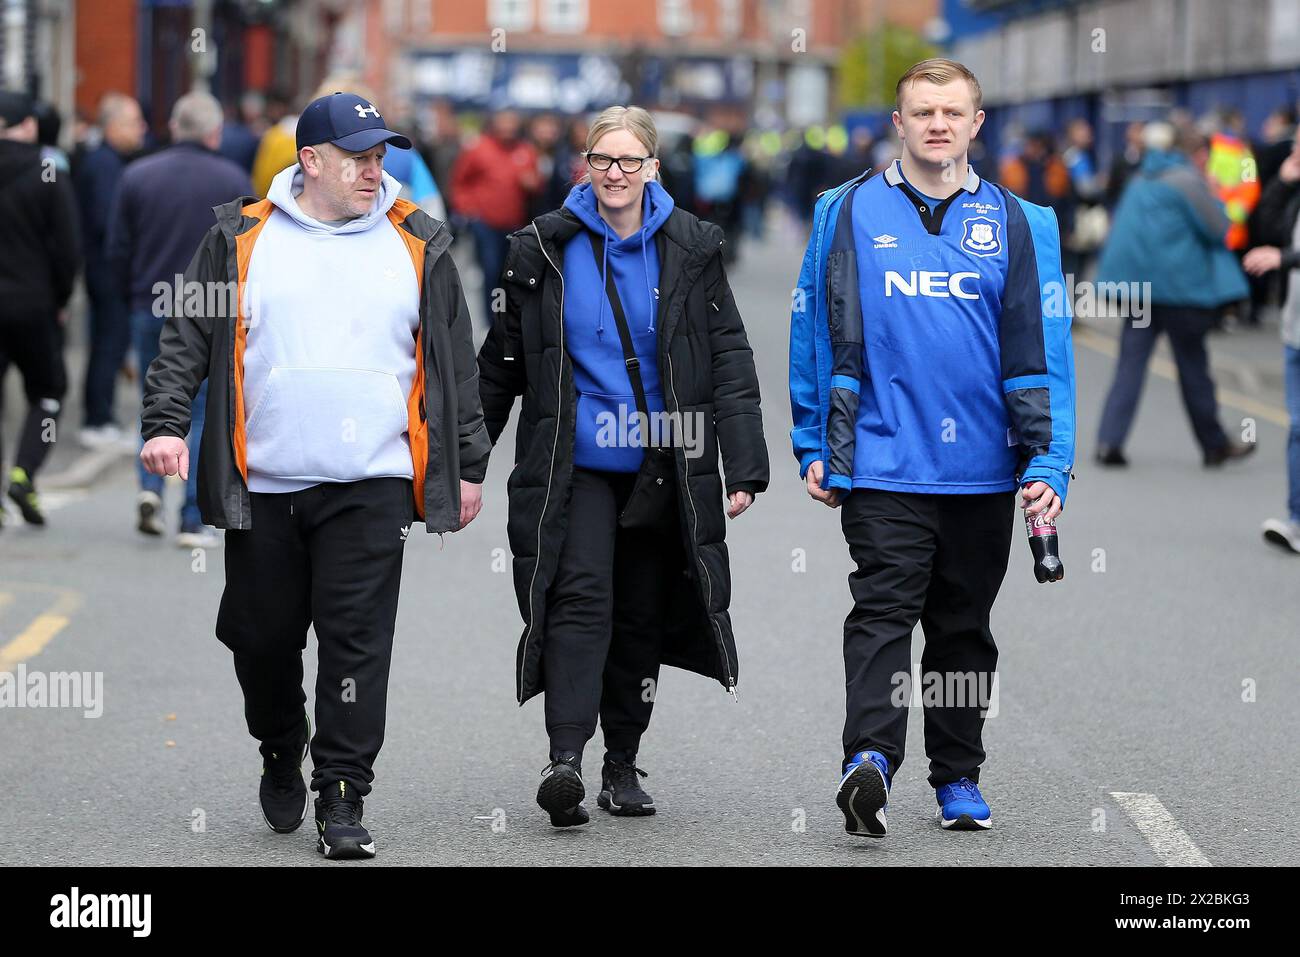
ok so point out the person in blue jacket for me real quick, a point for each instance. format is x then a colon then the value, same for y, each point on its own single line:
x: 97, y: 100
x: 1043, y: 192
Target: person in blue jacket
x: 1168, y: 240
x: 931, y: 376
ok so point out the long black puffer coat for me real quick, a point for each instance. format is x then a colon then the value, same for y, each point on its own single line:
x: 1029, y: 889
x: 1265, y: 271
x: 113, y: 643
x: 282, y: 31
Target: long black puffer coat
x: 706, y: 367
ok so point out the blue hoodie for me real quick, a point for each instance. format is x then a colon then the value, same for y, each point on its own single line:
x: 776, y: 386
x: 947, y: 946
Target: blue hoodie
x: 607, y: 437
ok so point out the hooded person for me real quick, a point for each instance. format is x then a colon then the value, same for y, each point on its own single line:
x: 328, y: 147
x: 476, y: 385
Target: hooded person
x: 344, y: 408
x: 1168, y: 239
x: 621, y: 333
x: 605, y: 394
x: 40, y: 238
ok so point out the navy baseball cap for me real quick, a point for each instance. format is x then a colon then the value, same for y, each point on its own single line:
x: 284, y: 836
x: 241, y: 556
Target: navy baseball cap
x: 348, y: 121
x: 15, y: 107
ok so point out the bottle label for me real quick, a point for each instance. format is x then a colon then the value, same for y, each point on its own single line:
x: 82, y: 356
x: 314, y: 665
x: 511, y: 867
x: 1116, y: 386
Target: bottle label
x: 1038, y: 525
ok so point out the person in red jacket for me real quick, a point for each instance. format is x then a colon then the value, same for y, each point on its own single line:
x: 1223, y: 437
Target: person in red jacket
x: 490, y: 186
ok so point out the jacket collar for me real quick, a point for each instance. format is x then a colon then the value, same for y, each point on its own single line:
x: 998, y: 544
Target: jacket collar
x: 234, y: 218
x: 684, y: 244
x: 680, y: 228
x: 894, y: 176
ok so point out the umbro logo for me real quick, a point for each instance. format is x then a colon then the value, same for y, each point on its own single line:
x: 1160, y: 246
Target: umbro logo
x: 885, y: 241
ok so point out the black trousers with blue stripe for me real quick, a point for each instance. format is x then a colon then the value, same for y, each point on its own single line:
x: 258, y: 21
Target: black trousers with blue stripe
x: 939, y: 560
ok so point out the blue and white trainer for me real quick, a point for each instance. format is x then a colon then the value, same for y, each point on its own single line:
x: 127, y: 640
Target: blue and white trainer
x: 962, y: 807
x: 864, y: 794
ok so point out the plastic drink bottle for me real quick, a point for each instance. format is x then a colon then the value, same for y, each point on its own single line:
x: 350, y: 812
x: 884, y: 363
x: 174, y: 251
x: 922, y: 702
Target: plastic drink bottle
x: 1043, y: 543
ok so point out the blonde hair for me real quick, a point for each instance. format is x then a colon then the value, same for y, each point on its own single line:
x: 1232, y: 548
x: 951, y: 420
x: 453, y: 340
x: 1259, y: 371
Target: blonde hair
x: 634, y: 119
x: 938, y: 70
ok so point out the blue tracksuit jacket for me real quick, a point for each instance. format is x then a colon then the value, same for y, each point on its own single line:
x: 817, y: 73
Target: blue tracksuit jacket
x: 930, y: 347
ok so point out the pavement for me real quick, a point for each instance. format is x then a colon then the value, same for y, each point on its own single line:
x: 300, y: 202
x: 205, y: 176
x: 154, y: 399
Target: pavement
x: 1145, y: 711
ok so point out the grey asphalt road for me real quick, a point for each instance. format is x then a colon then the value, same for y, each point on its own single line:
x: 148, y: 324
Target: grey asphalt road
x: 1164, y: 666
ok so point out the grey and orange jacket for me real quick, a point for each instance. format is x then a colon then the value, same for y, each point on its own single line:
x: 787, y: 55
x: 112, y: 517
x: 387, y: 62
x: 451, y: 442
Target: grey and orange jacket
x: 205, y: 336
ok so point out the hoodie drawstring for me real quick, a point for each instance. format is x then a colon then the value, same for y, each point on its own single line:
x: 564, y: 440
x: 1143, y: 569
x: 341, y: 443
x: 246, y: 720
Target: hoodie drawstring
x: 604, y: 284
x: 645, y: 269
x: 652, y: 294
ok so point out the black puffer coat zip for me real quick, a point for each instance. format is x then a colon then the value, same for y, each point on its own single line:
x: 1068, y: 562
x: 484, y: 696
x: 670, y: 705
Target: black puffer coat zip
x: 706, y: 367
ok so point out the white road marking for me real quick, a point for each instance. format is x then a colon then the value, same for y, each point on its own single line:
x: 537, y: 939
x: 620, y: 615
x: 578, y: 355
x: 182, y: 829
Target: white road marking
x: 1169, y: 841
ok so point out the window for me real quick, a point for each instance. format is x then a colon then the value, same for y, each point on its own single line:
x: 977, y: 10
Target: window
x: 394, y: 17
x: 564, y: 16
x: 421, y: 16
x: 675, y: 18
x: 729, y: 18
x: 510, y: 14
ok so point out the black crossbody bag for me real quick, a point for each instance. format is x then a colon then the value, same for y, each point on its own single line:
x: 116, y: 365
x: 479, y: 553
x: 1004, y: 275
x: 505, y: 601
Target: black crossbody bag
x: 654, y: 494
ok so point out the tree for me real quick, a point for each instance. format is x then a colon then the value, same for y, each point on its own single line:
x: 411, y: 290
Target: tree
x: 871, y: 65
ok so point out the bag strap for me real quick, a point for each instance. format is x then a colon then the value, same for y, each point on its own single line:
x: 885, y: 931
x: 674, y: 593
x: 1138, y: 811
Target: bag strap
x: 629, y: 354
x: 624, y: 333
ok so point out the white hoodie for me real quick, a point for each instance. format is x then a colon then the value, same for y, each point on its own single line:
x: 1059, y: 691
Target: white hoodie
x: 330, y: 356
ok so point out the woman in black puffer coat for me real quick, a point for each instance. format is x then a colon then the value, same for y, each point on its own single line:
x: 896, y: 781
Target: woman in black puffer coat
x: 619, y: 558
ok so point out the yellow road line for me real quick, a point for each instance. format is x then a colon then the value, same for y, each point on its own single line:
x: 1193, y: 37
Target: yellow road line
x: 33, y: 639
x: 1167, y: 370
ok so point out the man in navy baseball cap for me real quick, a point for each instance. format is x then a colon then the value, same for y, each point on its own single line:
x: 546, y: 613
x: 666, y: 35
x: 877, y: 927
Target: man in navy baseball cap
x: 15, y: 108
x: 341, y: 140
x: 348, y: 121
x: 350, y: 292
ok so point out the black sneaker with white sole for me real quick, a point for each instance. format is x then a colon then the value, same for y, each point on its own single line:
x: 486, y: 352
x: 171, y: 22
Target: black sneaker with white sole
x: 561, y: 792
x: 282, y: 791
x: 339, y: 834
x: 621, y: 793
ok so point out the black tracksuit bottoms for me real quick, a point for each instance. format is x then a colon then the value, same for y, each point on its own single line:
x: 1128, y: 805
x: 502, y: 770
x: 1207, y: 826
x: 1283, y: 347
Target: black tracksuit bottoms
x: 329, y: 556
x: 33, y: 341
x: 940, y: 560
x: 605, y: 618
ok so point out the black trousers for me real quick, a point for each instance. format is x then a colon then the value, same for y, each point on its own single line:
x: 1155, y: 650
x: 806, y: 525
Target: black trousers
x: 1187, y: 328
x: 605, y: 616
x: 940, y: 560
x: 328, y: 556
x: 34, y: 343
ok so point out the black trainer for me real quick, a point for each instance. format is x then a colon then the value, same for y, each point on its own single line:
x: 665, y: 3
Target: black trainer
x: 561, y: 792
x: 1233, y: 450
x: 339, y: 834
x: 621, y: 793
x: 283, y: 792
x: 1108, y: 455
x: 23, y: 494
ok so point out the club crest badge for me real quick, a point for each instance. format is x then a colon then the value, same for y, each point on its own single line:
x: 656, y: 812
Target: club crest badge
x: 981, y: 236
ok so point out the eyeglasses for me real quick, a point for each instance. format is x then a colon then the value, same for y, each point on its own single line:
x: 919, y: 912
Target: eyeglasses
x: 628, y: 164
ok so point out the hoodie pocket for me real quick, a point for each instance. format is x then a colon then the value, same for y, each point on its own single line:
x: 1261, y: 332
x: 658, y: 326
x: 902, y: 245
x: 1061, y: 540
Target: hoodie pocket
x: 335, y: 425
